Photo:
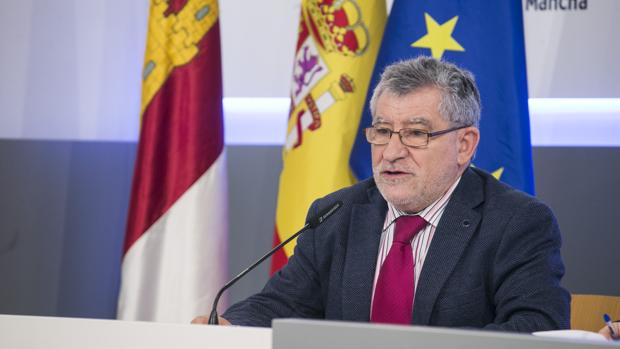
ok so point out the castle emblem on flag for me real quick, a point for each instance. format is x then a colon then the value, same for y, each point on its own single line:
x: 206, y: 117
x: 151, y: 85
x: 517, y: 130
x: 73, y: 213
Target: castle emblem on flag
x: 174, y: 40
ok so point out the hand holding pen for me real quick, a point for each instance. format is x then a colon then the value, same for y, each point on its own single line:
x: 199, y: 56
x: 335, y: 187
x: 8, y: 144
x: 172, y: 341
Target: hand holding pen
x: 611, y: 329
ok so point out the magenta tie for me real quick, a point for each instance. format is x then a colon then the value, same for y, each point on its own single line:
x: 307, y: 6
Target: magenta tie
x: 393, y: 299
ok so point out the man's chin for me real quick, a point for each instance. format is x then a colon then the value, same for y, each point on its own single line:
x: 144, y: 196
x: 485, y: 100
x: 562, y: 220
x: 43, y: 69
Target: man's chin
x: 395, y: 196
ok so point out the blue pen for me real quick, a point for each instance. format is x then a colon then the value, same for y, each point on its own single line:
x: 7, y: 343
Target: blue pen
x: 612, y: 330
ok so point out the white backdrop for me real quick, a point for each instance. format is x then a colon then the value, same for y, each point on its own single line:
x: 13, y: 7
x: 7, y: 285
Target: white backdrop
x: 573, y: 53
x: 71, y: 69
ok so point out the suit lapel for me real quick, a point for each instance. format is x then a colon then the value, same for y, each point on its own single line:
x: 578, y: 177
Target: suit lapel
x: 456, y: 227
x: 361, y: 258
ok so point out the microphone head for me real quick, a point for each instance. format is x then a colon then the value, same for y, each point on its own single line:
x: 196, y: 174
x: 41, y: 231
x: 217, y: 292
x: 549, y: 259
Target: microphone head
x: 324, y: 214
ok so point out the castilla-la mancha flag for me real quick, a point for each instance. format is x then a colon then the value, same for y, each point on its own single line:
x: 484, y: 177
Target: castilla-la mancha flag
x: 175, y: 244
x: 335, y: 54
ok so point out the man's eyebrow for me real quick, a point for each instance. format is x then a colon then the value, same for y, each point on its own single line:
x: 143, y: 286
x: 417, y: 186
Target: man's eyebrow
x: 418, y: 120
x: 379, y: 120
x: 414, y: 120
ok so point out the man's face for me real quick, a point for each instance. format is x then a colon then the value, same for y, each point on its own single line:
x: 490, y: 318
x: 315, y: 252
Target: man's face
x: 413, y: 178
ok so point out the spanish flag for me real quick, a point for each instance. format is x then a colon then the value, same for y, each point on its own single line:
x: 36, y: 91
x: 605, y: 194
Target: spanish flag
x: 335, y: 54
x: 175, y: 244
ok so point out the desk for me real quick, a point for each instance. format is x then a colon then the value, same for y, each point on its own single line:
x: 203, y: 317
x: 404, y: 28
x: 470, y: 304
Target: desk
x: 306, y: 334
x: 30, y: 332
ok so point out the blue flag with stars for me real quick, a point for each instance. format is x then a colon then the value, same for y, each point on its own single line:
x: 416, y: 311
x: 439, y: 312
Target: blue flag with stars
x: 485, y: 37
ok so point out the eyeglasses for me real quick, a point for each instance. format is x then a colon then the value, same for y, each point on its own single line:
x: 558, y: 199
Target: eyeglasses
x: 410, y: 137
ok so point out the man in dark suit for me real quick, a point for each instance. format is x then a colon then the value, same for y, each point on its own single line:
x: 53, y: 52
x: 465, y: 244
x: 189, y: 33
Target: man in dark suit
x: 428, y: 240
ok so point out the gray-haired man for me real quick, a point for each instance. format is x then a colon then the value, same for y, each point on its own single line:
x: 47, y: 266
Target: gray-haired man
x: 428, y: 240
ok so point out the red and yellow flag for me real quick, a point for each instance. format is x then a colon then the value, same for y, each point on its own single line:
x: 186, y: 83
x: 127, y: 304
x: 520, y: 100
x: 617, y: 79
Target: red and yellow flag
x: 175, y: 245
x: 335, y: 55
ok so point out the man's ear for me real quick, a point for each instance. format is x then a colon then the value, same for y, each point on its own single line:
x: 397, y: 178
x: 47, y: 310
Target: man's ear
x: 468, y: 139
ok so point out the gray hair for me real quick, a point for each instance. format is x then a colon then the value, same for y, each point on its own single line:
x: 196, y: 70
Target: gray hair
x: 460, y: 101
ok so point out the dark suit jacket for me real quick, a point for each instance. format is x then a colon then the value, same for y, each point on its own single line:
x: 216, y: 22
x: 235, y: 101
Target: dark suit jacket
x: 494, y: 262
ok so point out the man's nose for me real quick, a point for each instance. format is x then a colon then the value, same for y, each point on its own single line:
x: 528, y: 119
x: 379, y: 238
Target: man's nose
x: 395, y: 149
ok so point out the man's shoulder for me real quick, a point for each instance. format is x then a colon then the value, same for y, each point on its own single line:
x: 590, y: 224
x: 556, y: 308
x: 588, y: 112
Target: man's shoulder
x: 501, y: 196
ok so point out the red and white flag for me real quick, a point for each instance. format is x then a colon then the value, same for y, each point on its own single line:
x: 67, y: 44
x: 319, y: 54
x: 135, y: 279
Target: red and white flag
x: 175, y: 246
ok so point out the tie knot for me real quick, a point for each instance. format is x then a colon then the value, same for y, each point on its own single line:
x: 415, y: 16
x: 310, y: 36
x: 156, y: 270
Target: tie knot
x: 407, y: 227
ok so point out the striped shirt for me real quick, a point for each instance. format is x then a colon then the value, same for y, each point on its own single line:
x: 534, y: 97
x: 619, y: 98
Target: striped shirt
x: 421, y: 242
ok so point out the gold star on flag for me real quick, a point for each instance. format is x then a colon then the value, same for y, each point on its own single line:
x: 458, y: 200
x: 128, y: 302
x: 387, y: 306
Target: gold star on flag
x: 439, y: 37
x: 498, y: 173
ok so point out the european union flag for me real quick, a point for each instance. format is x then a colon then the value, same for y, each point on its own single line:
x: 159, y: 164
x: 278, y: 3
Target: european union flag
x: 485, y: 37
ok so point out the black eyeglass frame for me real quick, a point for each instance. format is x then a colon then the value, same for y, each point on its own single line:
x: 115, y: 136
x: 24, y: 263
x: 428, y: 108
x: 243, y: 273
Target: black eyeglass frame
x: 429, y: 135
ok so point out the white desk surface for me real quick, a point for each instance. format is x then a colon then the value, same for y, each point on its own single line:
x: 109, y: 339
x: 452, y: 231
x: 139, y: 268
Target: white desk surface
x: 31, y: 332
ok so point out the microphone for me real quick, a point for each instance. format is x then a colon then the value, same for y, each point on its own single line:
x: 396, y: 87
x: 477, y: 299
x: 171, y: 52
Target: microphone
x: 310, y: 224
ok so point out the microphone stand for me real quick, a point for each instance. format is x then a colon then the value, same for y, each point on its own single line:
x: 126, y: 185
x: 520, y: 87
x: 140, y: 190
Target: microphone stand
x: 213, y: 318
x: 312, y: 223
